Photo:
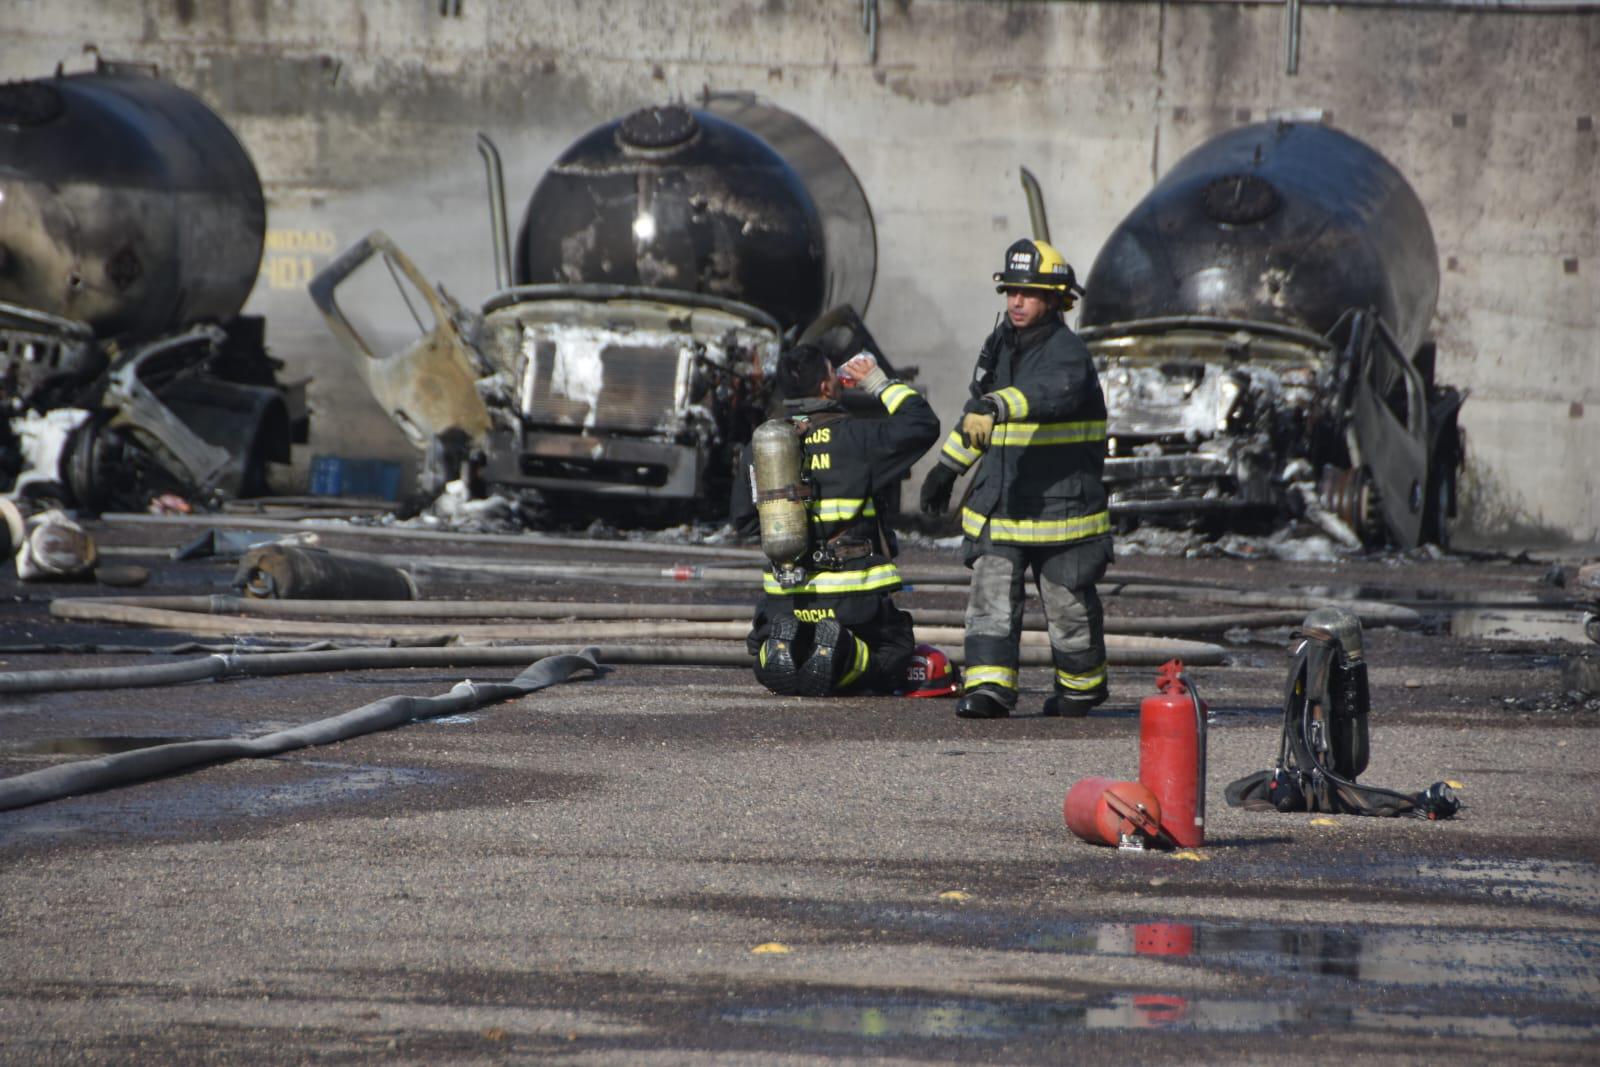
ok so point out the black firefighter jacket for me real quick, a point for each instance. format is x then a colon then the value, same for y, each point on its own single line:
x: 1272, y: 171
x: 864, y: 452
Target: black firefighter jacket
x: 1039, y: 481
x: 847, y: 462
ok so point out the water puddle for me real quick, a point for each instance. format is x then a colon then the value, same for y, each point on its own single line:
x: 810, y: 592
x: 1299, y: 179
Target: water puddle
x: 1564, y: 964
x: 1011, y: 1019
x: 146, y: 812
x: 1505, y: 624
x: 1503, y: 984
x: 1553, y: 883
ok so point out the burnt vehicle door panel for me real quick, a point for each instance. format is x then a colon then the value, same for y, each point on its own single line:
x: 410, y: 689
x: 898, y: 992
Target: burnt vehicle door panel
x: 405, y: 341
x: 1389, y: 418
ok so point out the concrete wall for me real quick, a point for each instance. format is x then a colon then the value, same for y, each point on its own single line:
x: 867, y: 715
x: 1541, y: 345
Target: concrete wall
x: 362, y: 115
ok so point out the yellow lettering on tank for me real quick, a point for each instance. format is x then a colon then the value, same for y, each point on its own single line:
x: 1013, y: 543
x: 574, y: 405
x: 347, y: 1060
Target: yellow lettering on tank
x: 813, y: 614
x: 821, y: 461
x: 820, y: 437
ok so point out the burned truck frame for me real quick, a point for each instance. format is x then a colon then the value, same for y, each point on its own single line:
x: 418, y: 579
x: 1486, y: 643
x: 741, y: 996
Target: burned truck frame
x: 662, y: 264
x: 1260, y: 321
x: 131, y: 227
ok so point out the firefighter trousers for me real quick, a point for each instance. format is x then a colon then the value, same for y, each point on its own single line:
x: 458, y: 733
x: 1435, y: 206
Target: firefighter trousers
x: 871, y: 643
x: 1065, y: 577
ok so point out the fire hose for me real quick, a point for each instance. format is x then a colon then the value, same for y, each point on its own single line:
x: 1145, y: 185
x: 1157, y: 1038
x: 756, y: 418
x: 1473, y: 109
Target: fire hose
x: 633, y: 612
x: 1122, y: 650
x: 266, y: 662
x: 84, y: 776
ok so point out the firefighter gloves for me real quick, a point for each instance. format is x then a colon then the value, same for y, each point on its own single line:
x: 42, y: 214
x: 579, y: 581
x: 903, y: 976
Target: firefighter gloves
x: 976, y: 429
x: 861, y: 371
x: 936, y: 490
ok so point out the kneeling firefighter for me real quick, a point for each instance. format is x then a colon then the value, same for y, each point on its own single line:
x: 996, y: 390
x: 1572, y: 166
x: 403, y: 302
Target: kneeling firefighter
x: 826, y: 622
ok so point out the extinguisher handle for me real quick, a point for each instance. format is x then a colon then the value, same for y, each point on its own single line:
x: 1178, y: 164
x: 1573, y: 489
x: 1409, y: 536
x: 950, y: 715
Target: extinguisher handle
x: 1200, y: 749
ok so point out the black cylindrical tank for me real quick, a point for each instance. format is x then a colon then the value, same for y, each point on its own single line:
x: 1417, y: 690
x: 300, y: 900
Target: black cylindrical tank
x: 848, y: 230
x: 1284, y: 222
x: 125, y: 203
x: 678, y: 199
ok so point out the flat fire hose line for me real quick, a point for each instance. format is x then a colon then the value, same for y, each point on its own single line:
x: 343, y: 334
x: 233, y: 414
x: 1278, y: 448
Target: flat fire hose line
x: 1371, y: 612
x: 1121, y: 649
x: 217, y: 604
x: 406, y: 533
x: 123, y: 768
x: 266, y: 663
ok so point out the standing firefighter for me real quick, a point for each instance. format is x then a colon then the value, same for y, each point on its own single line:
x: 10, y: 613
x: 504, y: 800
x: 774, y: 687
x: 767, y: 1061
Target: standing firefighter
x: 1037, y: 421
x: 826, y: 623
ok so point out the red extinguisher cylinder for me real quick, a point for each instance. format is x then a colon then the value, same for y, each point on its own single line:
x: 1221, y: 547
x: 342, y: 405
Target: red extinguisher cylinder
x: 1172, y: 726
x: 1103, y: 810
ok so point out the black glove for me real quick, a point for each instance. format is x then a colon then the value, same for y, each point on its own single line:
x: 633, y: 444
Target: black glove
x: 936, y: 490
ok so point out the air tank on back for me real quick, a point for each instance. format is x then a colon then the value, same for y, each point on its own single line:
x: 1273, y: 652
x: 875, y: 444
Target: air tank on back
x: 677, y: 198
x: 1291, y: 223
x: 125, y: 203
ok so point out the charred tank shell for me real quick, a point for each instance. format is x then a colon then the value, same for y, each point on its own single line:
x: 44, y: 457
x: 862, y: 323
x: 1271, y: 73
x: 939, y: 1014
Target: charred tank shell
x: 675, y: 198
x: 125, y: 203
x: 1287, y: 223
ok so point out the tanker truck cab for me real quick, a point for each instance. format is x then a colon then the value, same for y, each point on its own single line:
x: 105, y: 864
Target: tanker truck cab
x: 1237, y: 423
x: 1261, y: 323
x: 608, y: 391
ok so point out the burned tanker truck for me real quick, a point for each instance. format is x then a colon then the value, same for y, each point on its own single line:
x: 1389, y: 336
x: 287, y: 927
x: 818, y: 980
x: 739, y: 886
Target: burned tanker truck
x: 131, y: 227
x: 662, y: 263
x: 1261, y: 322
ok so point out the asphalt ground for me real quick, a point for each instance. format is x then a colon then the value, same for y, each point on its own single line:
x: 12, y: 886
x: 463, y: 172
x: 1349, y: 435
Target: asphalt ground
x: 670, y: 865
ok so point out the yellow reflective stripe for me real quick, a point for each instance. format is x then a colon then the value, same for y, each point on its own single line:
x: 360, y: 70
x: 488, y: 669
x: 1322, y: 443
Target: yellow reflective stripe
x: 959, y: 452
x: 762, y: 655
x: 1023, y: 434
x: 1082, y: 682
x: 834, y: 583
x: 1005, y: 677
x: 839, y: 508
x: 1016, y: 404
x: 895, y: 395
x: 857, y: 669
x: 1035, y: 531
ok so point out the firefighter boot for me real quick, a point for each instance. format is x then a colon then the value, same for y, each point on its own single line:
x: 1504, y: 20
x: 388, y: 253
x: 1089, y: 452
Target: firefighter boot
x: 775, y: 667
x: 831, y: 649
x: 1075, y: 705
x: 984, y: 702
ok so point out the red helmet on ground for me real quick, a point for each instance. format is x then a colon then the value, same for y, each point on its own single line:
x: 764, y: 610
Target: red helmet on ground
x: 930, y: 674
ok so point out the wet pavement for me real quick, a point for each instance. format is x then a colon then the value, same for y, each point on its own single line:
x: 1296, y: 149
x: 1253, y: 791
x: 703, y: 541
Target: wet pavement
x: 669, y: 865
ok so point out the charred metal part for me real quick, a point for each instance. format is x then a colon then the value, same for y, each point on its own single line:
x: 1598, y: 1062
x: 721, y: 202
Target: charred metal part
x: 131, y: 238
x: 138, y: 408
x: 1260, y: 320
x: 290, y: 572
x: 53, y: 547
x: 428, y: 387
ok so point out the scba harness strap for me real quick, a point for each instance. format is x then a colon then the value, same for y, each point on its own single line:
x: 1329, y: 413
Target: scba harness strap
x: 1323, y: 744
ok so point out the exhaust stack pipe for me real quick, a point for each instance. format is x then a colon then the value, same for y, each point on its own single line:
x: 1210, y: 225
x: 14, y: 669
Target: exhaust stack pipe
x: 496, y: 178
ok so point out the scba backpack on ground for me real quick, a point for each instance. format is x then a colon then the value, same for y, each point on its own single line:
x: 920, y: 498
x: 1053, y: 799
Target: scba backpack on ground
x: 1323, y: 746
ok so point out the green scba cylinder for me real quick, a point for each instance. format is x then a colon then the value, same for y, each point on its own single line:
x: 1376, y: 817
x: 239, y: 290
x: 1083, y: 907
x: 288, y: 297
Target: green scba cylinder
x: 776, y: 453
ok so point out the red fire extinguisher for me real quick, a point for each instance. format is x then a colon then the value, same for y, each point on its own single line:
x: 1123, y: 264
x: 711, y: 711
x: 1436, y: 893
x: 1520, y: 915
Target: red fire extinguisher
x: 1172, y: 754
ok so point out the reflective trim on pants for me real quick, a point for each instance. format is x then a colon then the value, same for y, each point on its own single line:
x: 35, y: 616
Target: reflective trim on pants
x: 988, y: 674
x: 859, y: 666
x: 1081, y: 683
x: 1035, y: 532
